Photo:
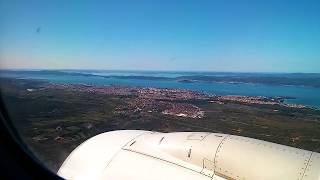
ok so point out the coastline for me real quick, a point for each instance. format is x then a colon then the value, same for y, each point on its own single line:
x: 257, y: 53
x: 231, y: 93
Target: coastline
x: 180, y: 94
x: 305, y: 95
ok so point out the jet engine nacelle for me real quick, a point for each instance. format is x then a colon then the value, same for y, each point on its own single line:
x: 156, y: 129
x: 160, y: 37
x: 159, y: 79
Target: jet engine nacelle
x: 134, y: 154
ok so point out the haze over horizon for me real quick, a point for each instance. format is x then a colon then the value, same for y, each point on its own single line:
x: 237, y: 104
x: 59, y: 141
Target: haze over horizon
x: 216, y: 36
x: 148, y: 71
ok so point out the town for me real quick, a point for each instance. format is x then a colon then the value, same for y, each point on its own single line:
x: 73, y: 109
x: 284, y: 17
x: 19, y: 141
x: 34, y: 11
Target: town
x: 167, y: 101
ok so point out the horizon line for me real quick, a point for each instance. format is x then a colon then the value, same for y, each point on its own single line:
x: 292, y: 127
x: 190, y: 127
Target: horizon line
x: 151, y: 70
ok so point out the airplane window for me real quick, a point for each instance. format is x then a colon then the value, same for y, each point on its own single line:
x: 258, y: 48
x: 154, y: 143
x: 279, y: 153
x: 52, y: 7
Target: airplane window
x: 195, y: 81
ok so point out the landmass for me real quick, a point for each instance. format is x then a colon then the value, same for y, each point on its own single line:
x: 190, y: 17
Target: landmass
x: 53, y: 119
x: 285, y: 79
x: 289, y: 80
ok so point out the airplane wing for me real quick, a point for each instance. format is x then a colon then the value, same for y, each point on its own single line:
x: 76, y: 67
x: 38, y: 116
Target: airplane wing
x: 135, y: 154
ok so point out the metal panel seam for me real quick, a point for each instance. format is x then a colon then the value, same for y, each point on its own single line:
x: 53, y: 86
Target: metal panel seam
x: 217, y: 150
x: 305, y: 169
x: 164, y: 161
x: 122, y: 149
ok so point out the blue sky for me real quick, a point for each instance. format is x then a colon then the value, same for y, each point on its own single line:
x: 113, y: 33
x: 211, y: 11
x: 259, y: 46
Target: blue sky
x: 224, y: 35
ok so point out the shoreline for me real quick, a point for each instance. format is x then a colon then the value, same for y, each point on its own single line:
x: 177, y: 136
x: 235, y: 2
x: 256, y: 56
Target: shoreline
x: 248, y: 99
x: 190, y: 95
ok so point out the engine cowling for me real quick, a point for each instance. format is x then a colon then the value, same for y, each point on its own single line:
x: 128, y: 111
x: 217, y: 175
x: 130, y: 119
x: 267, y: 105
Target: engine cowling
x: 134, y: 154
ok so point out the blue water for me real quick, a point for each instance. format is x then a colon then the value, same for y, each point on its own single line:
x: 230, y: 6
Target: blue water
x: 309, y: 96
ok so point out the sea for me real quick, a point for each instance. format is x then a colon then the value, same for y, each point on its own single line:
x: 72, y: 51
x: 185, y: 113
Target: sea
x: 306, y: 95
